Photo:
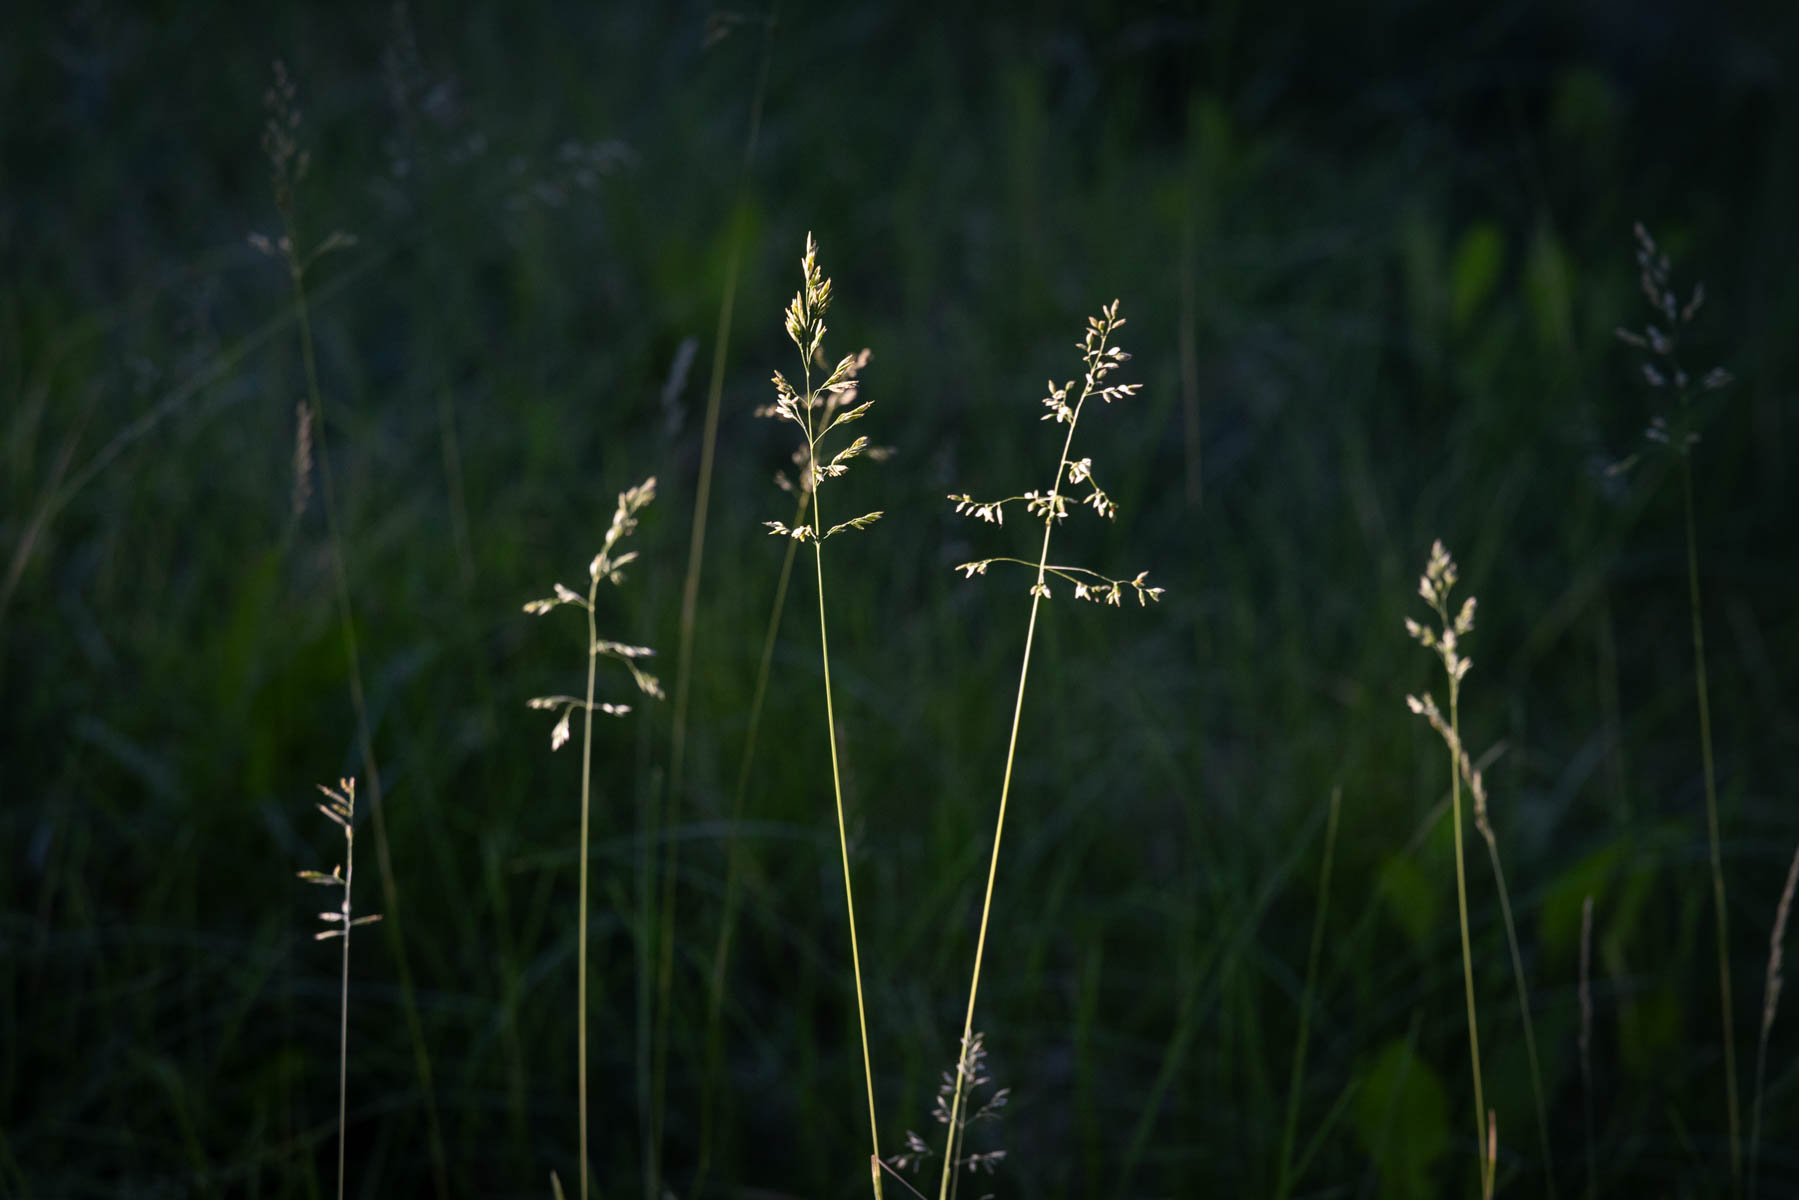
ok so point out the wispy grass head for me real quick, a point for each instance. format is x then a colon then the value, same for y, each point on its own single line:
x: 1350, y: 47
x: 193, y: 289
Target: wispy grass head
x: 606, y: 567
x: 818, y: 411
x: 1660, y: 340
x: 1099, y: 358
x: 340, y: 807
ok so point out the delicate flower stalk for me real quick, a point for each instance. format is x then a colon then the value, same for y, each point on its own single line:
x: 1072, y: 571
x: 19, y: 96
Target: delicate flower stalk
x: 341, y: 809
x: 1435, y: 585
x: 1100, y: 357
x: 607, y: 567
x: 818, y: 411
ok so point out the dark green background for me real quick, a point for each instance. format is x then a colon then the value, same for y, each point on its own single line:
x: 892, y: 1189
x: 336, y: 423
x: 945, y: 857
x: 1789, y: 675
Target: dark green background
x: 1399, y: 236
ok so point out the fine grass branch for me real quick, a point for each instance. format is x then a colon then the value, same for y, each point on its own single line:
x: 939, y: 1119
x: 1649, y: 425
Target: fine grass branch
x: 606, y: 567
x: 1100, y: 356
x: 817, y: 412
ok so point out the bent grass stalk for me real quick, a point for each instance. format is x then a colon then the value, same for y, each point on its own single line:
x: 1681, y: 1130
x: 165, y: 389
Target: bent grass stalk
x: 1100, y: 358
x: 338, y: 923
x: 1435, y: 585
x: 818, y: 411
x: 606, y: 567
x: 288, y: 165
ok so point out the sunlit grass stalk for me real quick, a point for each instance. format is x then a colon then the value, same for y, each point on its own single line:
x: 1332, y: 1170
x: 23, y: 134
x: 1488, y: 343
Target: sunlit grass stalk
x: 1100, y: 358
x: 289, y: 166
x: 606, y: 567
x: 342, y: 811
x: 690, y: 592
x: 1770, y: 1003
x: 818, y: 411
x: 1284, y: 1184
x: 1435, y: 585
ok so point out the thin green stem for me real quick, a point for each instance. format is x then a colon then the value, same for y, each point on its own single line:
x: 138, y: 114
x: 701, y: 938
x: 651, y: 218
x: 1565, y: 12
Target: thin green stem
x: 1284, y: 1185
x: 1711, y: 827
x: 593, y: 639
x: 843, y: 845
x: 1005, y: 792
x: 343, y: 1011
x: 347, y: 625
x: 1461, y: 904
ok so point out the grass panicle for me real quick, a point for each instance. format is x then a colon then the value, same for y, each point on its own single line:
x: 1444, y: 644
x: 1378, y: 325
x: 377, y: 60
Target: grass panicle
x: 818, y: 412
x: 340, y: 808
x: 1435, y: 585
x: 948, y: 1111
x: 606, y: 567
x: 1100, y: 356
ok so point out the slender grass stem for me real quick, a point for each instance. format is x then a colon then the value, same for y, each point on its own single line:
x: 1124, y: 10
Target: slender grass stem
x: 1284, y: 1183
x: 365, y: 740
x: 1005, y: 792
x: 593, y: 638
x: 843, y: 845
x: 1711, y: 827
x: 1461, y: 905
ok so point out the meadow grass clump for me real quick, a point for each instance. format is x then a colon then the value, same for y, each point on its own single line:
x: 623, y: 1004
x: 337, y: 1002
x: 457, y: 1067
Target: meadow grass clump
x: 338, y: 922
x: 1099, y: 358
x: 817, y: 412
x: 606, y: 567
x: 1674, y: 428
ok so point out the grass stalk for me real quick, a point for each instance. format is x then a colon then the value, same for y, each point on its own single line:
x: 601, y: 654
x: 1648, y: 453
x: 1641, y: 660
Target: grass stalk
x: 1100, y: 357
x: 1725, y: 1004
x: 342, y: 811
x: 1435, y: 585
x: 606, y: 567
x: 818, y: 411
x: 1286, y: 1179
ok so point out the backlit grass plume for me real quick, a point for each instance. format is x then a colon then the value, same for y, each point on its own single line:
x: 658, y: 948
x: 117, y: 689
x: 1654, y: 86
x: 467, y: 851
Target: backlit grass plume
x: 1099, y: 358
x: 607, y: 567
x: 1435, y: 585
x: 341, y: 808
x: 817, y: 415
x: 1445, y: 642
